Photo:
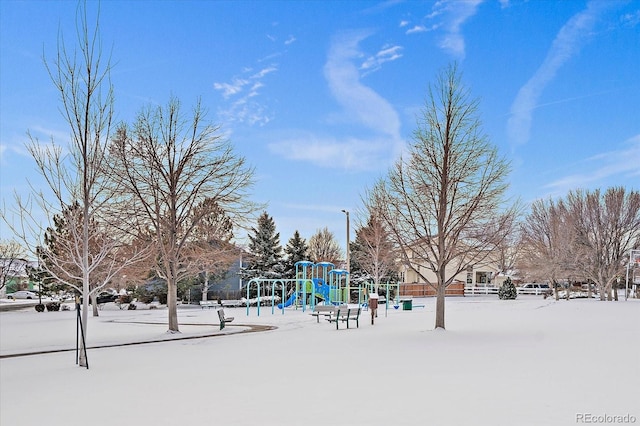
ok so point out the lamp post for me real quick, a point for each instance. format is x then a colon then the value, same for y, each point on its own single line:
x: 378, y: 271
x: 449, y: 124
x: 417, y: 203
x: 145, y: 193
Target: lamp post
x: 348, y: 268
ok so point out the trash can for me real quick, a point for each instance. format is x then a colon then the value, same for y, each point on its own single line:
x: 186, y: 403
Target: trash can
x: 373, y: 306
x: 407, y: 305
x: 373, y: 301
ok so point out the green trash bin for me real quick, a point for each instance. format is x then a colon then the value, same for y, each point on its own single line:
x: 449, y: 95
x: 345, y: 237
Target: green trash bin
x: 407, y: 305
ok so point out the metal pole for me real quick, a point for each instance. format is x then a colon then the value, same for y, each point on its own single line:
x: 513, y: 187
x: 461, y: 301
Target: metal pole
x: 386, y: 303
x: 626, y: 286
x: 632, y: 260
x: 258, y: 298
x: 348, y: 268
x: 248, y: 285
x: 77, y: 328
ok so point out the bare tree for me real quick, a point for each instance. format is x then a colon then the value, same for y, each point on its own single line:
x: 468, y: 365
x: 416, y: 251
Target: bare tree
x: 108, y: 255
x: 77, y: 174
x: 11, y: 258
x: 547, y: 239
x: 169, y: 164
x: 323, y: 247
x: 376, y: 254
x: 507, y: 250
x: 607, y: 227
x: 443, y: 202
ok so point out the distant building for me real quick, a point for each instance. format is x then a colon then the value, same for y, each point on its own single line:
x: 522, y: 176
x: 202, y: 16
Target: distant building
x: 14, y: 276
x: 481, y: 274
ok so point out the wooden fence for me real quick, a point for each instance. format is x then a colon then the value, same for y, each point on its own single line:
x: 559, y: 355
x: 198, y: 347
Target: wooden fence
x: 425, y: 290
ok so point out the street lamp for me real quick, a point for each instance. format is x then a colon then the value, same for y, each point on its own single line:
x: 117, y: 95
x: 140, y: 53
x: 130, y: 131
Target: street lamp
x: 348, y: 268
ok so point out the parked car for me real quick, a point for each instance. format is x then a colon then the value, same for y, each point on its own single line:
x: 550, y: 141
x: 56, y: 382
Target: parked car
x: 106, y: 297
x: 23, y: 294
x: 534, y: 288
x: 103, y: 297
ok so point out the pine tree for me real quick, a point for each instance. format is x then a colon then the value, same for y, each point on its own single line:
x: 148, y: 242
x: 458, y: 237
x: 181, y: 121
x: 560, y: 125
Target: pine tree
x: 507, y: 291
x: 295, y: 251
x: 265, y: 250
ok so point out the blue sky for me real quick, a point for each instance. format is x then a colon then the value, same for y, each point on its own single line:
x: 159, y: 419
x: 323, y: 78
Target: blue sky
x: 321, y: 97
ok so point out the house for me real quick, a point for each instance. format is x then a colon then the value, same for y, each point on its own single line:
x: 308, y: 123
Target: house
x: 481, y: 274
x: 14, y: 276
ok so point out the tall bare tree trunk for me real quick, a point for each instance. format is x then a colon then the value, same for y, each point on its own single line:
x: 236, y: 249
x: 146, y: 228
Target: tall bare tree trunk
x: 440, y: 293
x: 172, y: 305
x: 205, y: 287
x: 440, y: 306
x: 94, y: 304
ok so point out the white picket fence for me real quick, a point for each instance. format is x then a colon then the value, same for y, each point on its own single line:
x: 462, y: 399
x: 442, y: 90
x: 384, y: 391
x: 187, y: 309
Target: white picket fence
x: 483, y: 290
x: 473, y: 290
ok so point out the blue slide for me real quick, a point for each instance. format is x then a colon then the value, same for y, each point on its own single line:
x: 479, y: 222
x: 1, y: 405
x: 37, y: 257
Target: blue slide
x: 322, y: 291
x: 289, y: 302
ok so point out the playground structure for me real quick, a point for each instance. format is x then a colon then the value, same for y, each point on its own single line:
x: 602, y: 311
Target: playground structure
x: 315, y: 283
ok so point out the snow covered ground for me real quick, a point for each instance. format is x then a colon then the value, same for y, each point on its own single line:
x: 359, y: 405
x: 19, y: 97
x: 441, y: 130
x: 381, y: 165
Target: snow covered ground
x: 525, y: 362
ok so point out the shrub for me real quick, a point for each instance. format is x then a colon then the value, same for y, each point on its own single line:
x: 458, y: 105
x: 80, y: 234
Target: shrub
x: 124, y: 298
x: 40, y: 307
x: 53, y: 306
x: 148, y: 292
x: 507, y: 291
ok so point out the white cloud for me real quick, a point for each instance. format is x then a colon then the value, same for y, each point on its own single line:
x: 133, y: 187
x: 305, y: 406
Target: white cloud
x: 454, y: 13
x: 618, y: 165
x: 247, y: 111
x: 229, y: 89
x: 631, y: 19
x: 7, y: 151
x: 328, y: 152
x: 386, y: 54
x: 290, y: 40
x: 403, y: 23
x: 241, y: 109
x: 263, y: 72
x: 416, y: 29
x: 566, y: 44
x: 360, y: 103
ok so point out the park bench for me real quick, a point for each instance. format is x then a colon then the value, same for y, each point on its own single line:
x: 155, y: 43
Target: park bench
x: 232, y: 303
x: 323, y: 310
x: 223, y: 320
x: 345, y: 315
x: 209, y: 304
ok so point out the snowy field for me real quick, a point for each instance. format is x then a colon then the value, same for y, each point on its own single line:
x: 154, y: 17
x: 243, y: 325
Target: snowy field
x: 525, y: 362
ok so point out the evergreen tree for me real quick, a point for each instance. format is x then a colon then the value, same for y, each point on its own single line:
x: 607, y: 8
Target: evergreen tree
x: 265, y: 250
x: 295, y: 251
x: 507, y: 291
